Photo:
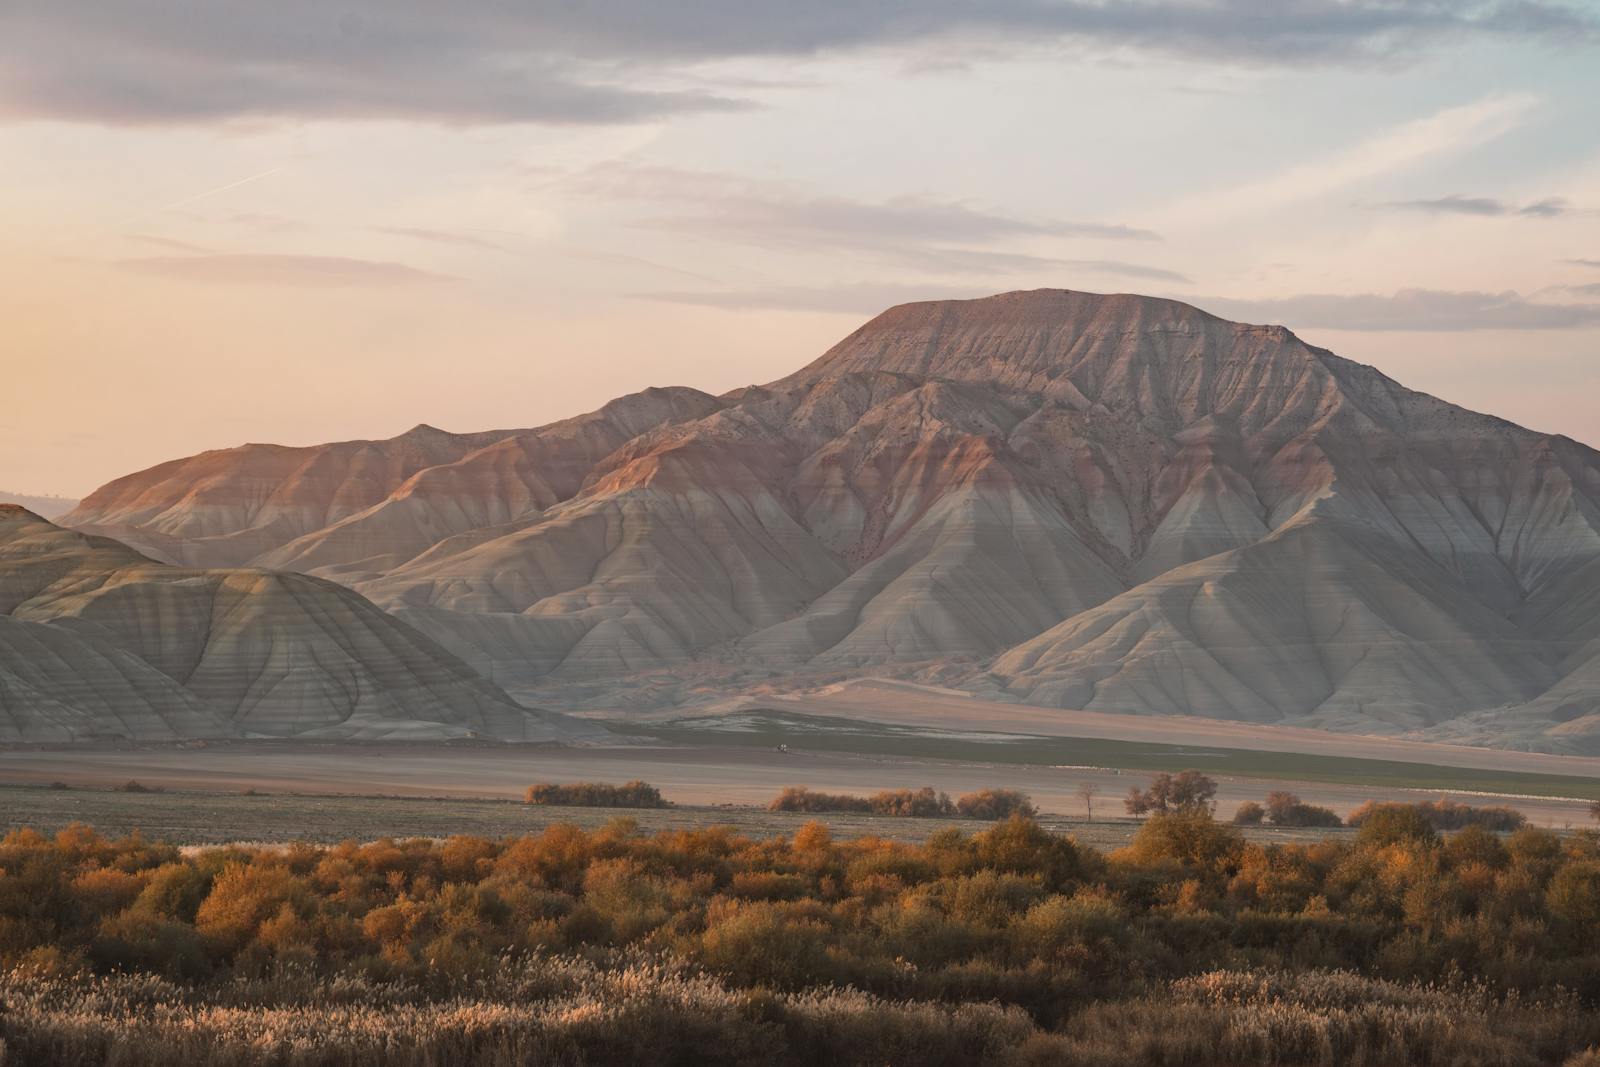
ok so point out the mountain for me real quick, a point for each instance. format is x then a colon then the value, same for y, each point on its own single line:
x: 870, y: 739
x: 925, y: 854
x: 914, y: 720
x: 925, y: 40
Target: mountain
x: 49, y: 507
x: 99, y: 641
x: 1111, y: 503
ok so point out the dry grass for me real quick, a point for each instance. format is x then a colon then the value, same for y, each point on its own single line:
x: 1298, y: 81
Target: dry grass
x: 1320, y: 1019
x: 536, y: 1011
x: 572, y: 1011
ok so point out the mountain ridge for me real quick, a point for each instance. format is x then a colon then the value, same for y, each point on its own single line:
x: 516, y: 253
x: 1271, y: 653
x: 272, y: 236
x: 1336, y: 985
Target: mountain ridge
x: 1033, y: 496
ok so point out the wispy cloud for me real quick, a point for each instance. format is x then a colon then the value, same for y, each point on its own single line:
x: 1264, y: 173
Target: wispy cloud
x: 981, y: 261
x: 460, y: 239
x: 1410, y: 309
x: 484, y: 61
x: 937, y: 237
x: 170, y: 244
x: 1585, y: 262
x: 441, y: 237
x: 1405, y: 145
x: 1548, y: 208
x: 859, y: 299
x: 1487, y: 206
x: 764, y: 213
x: 266, y: 269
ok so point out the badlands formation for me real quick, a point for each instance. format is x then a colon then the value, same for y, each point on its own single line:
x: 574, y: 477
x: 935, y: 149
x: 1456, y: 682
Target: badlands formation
x: 1107, y: 503
x: 97, y: 641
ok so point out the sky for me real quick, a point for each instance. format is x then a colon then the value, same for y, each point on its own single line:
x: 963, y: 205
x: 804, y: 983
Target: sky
x: 295, y: 222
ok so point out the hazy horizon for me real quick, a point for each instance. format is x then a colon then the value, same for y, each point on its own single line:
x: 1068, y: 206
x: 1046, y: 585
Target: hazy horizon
x: 299, y: 225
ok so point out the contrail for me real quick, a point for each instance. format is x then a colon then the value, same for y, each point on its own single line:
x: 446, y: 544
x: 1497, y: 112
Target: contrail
x: 209, y: 192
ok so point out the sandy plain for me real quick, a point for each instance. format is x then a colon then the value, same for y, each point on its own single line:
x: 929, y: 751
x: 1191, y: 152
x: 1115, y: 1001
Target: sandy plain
x: 688, y: 774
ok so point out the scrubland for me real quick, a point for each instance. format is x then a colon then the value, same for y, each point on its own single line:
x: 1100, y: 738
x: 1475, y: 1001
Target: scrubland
x: 1394, y: 945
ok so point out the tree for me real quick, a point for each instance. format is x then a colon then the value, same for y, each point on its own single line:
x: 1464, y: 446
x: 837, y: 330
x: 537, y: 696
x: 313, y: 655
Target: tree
x: 1137, y: 802
x: 1186, y: 791
x: 1249, y: 814
x: 1594, y: 810
x: 1086, y: 793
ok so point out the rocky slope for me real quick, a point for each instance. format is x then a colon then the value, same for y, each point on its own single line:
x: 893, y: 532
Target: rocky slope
x: 99, y: 641
x: 1111, y: 503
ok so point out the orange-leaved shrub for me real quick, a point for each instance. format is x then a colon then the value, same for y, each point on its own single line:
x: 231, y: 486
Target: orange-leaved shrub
x: 633, y: 794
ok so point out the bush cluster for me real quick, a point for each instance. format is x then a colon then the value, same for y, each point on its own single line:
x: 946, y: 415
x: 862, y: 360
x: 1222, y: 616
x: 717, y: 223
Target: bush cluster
x: 635, y: 794
x: 1286, y: 809
x: 1055, y: 951
x: 924, y: 803
x: 1446, y: 814
x: 995, y: 804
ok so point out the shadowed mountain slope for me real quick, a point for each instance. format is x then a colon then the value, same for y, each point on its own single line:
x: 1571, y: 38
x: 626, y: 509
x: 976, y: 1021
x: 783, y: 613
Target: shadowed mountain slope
x: 1113, y: 503
x: 97, y: 640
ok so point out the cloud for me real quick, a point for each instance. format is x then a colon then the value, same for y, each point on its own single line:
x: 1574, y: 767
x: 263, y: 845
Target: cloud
x: 1456, y: 204
x: 1407, y: 144
x: 266, y: 269
x: 1126, y: 270
x: 1549, y: 208
x: 1411, y: 309
x: 935, y: 236
x: 1585, y: 262
x: 981, y: 261
x: 860, y: 299
x: 441, y: 237
x: 768, y: 213
x: 486, y: 61
x: 170, y: 244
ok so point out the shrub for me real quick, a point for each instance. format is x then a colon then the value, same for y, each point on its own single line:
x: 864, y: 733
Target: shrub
x: 921, y: 803
x: 799, y: 798
x: 995, y: 804
x: 1389, y: 824
x: 1249, y: 814
x: 243, y: 897
x: 134, y: 786
x: 913, y: 803
x: 1190, y: 837
x: 1574, y: 894
x: 1286, y: 809
x: 1446, y: 814
x: 633, y: 794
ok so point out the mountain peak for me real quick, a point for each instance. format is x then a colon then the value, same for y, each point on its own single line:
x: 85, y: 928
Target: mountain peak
x: 1147, y: 355
x: 1027, y: 339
